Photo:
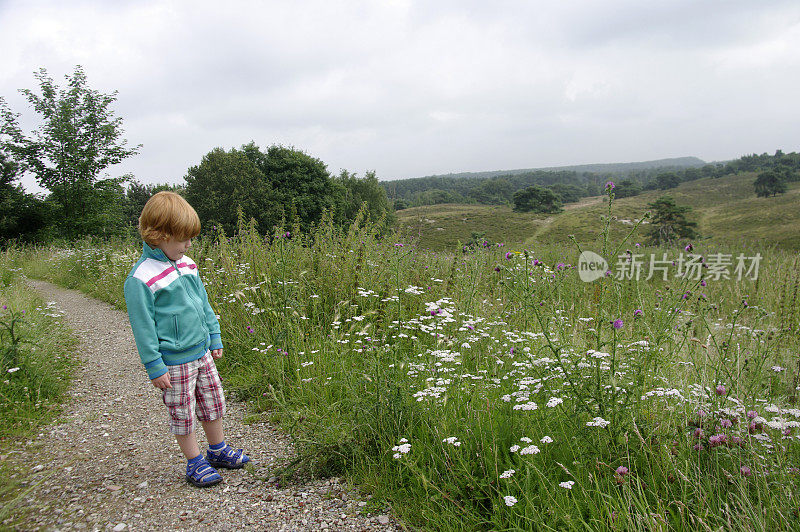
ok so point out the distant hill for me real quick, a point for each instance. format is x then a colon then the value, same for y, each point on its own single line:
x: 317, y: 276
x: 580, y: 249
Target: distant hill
x: 726, y: 209
x: 601, y: 168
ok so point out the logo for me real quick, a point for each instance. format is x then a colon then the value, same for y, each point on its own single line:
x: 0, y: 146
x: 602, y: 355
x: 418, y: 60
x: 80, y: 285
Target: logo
x: 591, y: 266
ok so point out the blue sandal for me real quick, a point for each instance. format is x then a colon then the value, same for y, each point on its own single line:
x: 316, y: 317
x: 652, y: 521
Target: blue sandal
x: 202, y: 474
x: 228, y: 457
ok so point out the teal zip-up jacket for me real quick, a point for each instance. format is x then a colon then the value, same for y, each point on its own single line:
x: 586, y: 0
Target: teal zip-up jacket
x: 169, y: 312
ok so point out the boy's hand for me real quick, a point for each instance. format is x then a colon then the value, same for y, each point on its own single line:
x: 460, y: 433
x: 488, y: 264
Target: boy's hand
x: 162, y: 382
x: 216, y: 353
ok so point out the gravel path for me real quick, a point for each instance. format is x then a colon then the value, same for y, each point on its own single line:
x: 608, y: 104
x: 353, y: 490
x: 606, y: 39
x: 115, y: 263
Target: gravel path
x: 111, y: 463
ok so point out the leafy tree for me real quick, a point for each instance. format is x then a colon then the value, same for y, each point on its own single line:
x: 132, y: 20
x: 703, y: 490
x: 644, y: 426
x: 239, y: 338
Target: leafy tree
x: 356, y: 192
x: 567, y: 193
x: 225, y: 182
x: 627, y: 188
x: 400, y: 204
x: 78, y: 138
x: 667, y: 180
x: 435, y: 196
x: 769, y: 183
x: 22, y: 215
x: 669, y: 222
x: 536, y: 199
x: 496, y: 191
x: 136, y: 195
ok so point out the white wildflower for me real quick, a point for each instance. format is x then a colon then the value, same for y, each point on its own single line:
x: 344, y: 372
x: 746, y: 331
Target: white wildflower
x: 567, y: 485
x: 452, y: 441
x: 530, y: 449
x: 401, y: 449
x: 598, y: 422
x: 547, y: 439
x: 514, y: 448
x: 554, y: 401
x: 510, y: 500
x: 13, y: 370
x: 508, y: 473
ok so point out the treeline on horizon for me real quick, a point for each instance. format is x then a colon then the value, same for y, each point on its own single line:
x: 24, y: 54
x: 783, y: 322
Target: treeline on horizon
x: 496, y: 188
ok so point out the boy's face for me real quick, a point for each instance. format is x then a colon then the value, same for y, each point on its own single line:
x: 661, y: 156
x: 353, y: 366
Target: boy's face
x: 174, y: 249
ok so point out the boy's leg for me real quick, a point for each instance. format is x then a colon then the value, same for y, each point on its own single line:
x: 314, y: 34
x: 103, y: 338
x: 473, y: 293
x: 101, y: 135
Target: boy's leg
x: 214, y: 432
x: 188, y: 444
x: 210, y: 410
x: 180, y: 399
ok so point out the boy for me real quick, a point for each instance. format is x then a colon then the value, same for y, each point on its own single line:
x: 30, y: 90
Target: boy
x: 177, y: 334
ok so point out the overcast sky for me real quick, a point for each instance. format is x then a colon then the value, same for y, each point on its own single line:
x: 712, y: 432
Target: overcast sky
x: 411, y: 88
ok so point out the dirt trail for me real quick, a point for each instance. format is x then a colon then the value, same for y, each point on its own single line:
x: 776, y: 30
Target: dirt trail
x: 111, y: 463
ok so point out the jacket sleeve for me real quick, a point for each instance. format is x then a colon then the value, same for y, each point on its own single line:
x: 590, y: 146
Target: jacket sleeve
x: 211, y: 318
x: 141, y: 313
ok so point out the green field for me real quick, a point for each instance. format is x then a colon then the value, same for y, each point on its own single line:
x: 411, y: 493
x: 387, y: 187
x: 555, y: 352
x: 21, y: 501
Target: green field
x: 726, y: 210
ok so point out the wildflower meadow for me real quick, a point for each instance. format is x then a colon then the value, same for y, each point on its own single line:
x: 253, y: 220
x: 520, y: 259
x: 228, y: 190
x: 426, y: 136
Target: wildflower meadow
x: 490, y: 388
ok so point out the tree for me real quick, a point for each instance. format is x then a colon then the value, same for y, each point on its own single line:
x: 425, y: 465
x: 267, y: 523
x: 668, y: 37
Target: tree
x: 496, y: 191
x: 536, y: 199
x: 137, y: 194
x: 627, y: 188
x: 78, y: 138
x: 355, y: 192
x: 667, y: 180
x: 769, y: 183
x: 567, y: 193
x: 301, y: 181
x: 22, y: 215
x: 228, y: 181
x: 669, y: 222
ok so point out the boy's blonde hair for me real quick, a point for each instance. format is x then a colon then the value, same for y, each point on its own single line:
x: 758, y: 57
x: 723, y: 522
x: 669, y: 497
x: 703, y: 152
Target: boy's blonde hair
x: 167, y: 215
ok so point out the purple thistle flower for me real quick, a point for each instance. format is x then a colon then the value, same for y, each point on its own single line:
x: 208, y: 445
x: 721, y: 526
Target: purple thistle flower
x: 509, y: 255
x: 617, y: 323
x: 638, y: 312
x: 752, y: 414
x: 720, y: 389
x: 702, y: 283
x: 689, y: 247
x: 698, y: 433
x: 497, y: 268
x: 725, y: 423
x: 746, y: 472
x: 610, y: 186
x: 622, y: 471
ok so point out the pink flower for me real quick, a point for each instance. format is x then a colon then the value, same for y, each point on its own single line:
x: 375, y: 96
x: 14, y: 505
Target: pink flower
x: 717, y: 439
x: 752, y: 414
x: 746, y: 472
x: 617, y: 323
x: 720, y: 389
x: 725, y: 423
x: 698, y: 433
x: 622, y: 471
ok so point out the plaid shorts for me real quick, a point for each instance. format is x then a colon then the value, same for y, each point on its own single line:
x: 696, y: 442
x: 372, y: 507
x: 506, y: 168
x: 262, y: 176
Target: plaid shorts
x: 195, y: 387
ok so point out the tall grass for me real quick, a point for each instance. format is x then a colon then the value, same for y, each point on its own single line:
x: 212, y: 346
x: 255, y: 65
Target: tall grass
x: 492, y: 389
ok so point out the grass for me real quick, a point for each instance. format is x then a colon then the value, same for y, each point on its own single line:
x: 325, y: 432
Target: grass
x: 36, y: 364
x: 491, y: 389
x: 444, y: 226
